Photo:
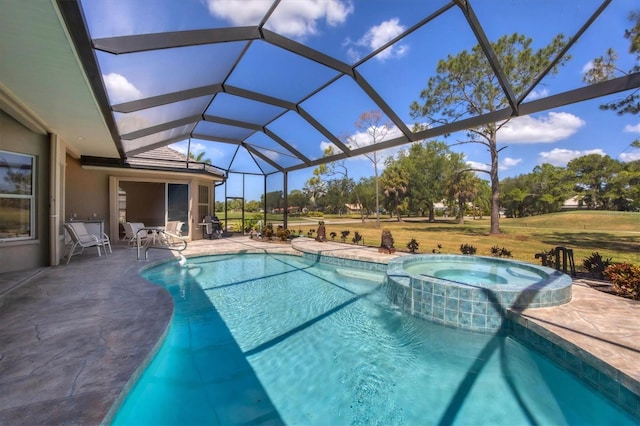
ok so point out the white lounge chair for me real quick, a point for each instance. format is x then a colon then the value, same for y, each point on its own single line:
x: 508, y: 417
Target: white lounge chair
x: 131, y: 230
x: 174, y: 227
x: 172, y: 234
x: 81, y: 238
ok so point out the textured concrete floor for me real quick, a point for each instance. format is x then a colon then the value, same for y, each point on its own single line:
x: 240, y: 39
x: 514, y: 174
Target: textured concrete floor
x: 72, y: 336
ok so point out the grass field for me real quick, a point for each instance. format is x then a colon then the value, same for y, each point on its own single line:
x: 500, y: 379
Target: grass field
x: 614, y: 235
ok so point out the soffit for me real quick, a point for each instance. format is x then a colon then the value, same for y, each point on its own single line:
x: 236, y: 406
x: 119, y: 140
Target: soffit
x: 41, y: 74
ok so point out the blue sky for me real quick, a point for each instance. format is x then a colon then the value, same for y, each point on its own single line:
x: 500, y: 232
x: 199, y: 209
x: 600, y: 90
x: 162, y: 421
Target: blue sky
x: 349, y: 31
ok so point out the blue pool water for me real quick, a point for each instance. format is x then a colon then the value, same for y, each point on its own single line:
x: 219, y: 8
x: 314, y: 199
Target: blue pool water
x: 275, y: 339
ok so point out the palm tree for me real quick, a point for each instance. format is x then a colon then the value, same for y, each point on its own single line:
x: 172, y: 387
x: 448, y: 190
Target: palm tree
x: 199, y: 158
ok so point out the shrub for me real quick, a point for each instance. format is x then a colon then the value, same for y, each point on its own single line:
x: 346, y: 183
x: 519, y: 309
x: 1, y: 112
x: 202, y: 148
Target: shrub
x: 596, y: 265
x: 333, y: 235
x: 413, y: 245
x: 625, y: 278
x: 267, y: 232
x: 437, y: 250
x: 500, y: 251
x: 282, y: 233
x: 344, y: 235
x: 547, y: 258
x: 310, y: 233
x: 468, y: 249
x: 357, y: 237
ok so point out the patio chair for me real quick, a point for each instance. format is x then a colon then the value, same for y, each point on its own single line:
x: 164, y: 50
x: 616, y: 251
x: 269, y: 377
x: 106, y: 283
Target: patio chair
x: 174, y: 227
x: 131, y: 230
x: 171, y: 235
x: 81, y: 238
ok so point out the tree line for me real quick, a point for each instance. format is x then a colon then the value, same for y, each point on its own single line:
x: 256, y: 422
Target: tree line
x: 430, y: 180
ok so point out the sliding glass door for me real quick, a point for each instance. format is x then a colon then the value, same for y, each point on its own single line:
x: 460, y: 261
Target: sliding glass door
x: 178, y: 204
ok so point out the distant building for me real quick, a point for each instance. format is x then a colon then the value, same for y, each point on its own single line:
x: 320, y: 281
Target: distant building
x: 572, y: 203
x: 353, y: 208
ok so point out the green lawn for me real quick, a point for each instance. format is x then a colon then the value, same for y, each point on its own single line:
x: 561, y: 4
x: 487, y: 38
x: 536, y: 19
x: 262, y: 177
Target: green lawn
x: 612, y: 234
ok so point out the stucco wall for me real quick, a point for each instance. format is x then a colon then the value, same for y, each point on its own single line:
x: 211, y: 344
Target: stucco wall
x: 21, y: 255
x: 87, y: 193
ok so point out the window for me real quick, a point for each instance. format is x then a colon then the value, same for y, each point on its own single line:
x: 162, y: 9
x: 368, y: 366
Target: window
x: 17, y: 201
x: 203, y: 202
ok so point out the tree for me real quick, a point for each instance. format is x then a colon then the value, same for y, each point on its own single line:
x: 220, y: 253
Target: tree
x: 373, y: 124
x: 427, y: 165
x: 339, y: 169
x: 624, y: 188
x: 252, y: 206
x: 336, y: 196
x: 366, y: 187
x: 544, y: 190
x: 592, y: 174
x: 605, y: 67
x: 298, y: 199
x: 275, y: 200
x: 315, y: 188
x: 199, y: 157
x: 461, y: 186
x: 551, y: 186
x: 394, y: 181
x: 466, y: 84
x: 482, y: 201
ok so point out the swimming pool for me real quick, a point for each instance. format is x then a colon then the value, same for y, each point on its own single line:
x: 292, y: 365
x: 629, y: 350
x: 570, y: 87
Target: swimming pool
x: 281, y: 339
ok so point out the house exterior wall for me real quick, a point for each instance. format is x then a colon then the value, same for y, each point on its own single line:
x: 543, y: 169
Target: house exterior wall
x: 87, y: 193
x: 28, y: 254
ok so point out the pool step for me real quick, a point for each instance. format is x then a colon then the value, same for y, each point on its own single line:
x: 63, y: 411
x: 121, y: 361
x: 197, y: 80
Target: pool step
x: 373, y: 276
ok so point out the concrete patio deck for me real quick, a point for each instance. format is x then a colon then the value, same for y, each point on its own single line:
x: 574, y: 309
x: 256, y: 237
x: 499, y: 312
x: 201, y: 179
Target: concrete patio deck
x: 72, y: 336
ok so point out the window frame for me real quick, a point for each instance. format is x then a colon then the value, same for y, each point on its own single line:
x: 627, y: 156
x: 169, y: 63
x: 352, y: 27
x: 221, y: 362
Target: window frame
x: 31, y: 197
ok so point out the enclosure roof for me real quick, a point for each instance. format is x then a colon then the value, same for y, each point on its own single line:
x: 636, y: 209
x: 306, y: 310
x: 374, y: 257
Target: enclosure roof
x: 265, y: 86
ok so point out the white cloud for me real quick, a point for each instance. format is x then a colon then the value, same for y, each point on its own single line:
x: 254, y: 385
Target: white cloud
x: 632, y: 128
x: 587, y: 67
x: 508, y: 163
x: 477, y: 166
x: 239, y: 12
x: 537, y: 94
x: 363, y: 139
x: 552, y: 128
x: 560, y: 157
x: 270, y: 154
x: 131, y: 122
x: 297, y: 18
x: 324, y: 145
x: 626, y: 157
x: 376, y: 37
x: 196, y: 148
x: 120, y: 89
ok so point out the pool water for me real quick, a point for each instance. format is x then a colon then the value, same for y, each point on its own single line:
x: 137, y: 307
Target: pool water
x: 476, y: 270
x: 276, y: 339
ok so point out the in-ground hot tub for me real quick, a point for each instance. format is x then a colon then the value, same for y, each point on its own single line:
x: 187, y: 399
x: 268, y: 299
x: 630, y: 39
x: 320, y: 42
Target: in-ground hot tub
x: 472, y: 292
